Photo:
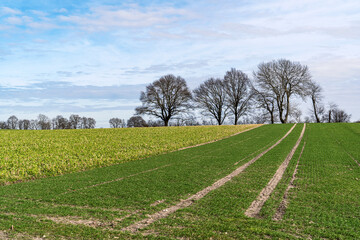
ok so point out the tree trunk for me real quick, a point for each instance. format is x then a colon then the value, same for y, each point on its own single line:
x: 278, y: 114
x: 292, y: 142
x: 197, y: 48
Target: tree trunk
x: 272, y: 117
x: 315, y: 113
x: 236, y: 119
x: 287, y: 108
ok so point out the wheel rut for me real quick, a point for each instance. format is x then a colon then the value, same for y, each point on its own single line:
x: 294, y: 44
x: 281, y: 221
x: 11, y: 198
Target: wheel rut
x: 189, y: 201
x: 257, y: 204
x: 285, y: 202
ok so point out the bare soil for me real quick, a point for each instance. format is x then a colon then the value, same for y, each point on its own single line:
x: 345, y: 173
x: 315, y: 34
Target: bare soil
x: 285, y: 202
x: 257, y: 204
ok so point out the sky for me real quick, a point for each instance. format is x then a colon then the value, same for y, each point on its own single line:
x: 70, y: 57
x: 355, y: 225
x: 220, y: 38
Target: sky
x: 93, y: 57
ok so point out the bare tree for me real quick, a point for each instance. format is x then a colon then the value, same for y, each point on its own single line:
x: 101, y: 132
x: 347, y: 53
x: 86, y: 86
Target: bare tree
x: 314, y: 91
x: 339, y: 115
x: 60, y: 122
x: 24, y: 124
x: 165, y: 98
x: 296, y: 113
x: 91, y: 123
x: 34, y: 125
x: 3, y: 125
x: 43, y: 122
x: 237, y: 88
x: 12, y: 122
x: 87, y: 123
x: 266, y: 101
x: 331, y: 109
x: 211, y: 97
x: 74, y: 121
x: 84, y: 123
x: 116, y: 123
x: 136, y: 121
x: 152, y: 123
x: 283, y: 79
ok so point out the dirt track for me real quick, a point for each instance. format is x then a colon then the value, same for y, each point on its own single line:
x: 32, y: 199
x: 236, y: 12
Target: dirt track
x: 189, y: 201
x: 257, y: 204
x: 284, y: 203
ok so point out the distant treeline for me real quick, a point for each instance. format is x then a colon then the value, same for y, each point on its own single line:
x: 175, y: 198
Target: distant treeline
x: 42, y: 122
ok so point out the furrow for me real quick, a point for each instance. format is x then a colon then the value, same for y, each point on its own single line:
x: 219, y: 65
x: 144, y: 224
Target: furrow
x: 189, y: 201
x: 257, y: 204
x: 284, y: 203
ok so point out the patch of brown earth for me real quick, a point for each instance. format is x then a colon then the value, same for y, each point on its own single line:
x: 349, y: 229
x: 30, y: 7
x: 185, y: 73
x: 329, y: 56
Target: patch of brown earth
x: 285, y: 202
x: 94, y: 223
x: 157, y: 202
x: 257, y: 204
x: 7, y: 235
x: 189, y: 201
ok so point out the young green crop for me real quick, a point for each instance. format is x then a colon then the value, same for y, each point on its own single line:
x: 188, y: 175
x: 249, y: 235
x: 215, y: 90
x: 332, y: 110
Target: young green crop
x: 111, y: 193
x: 33, y: 154
x: 323, y: 205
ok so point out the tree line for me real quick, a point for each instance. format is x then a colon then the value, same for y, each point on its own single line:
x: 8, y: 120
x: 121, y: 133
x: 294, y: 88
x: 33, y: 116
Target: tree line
x: 42, y: 122
x: 268, y: 97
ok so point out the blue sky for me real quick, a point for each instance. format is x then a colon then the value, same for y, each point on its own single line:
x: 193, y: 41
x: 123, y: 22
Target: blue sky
x: 94, y: 57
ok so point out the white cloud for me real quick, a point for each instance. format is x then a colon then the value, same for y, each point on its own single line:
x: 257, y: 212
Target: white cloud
x: 14, y: 20
x: 9, y: 11
x: 106, y: 18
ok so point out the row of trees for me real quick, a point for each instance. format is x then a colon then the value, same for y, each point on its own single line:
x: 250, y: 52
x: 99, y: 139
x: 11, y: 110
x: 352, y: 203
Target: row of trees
x: 269, y: 95
x: 42, y: 122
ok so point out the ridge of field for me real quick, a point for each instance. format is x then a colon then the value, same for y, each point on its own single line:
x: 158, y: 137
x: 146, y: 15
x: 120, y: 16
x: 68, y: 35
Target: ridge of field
x: 116, y: 196
x: 32, y: 154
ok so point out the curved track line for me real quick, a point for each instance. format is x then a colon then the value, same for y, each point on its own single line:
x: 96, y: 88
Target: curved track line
x: 212, y: 141
x: 119, y: 179
x: 189, y: 201
x: 347, y: 152
x: 285, y: 202
x: 257, y: 204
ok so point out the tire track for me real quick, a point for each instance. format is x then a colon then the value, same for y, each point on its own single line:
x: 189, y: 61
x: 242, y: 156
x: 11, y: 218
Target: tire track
x: 189, y: 201
x: 122, y: 178
x: 253, y: 153
x: 212, y: 141
x: 357, y: 162
x: 257, y: 204
x: 285, y: 202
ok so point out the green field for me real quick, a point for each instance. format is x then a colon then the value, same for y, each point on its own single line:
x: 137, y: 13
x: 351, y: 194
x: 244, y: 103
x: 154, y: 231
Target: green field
x: 33, y: 154
x: 104, y: 203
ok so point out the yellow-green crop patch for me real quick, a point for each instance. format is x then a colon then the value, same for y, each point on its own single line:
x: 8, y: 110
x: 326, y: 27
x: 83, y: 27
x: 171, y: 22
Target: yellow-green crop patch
x: 32, y: 154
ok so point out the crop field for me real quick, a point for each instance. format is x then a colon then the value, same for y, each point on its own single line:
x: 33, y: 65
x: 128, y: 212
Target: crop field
x: 33, y: 154
x: 275, y: 181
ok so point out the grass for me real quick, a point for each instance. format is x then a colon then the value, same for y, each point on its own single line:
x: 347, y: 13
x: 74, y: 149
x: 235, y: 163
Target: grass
x: 324, y: 203
x: 33, y: 154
